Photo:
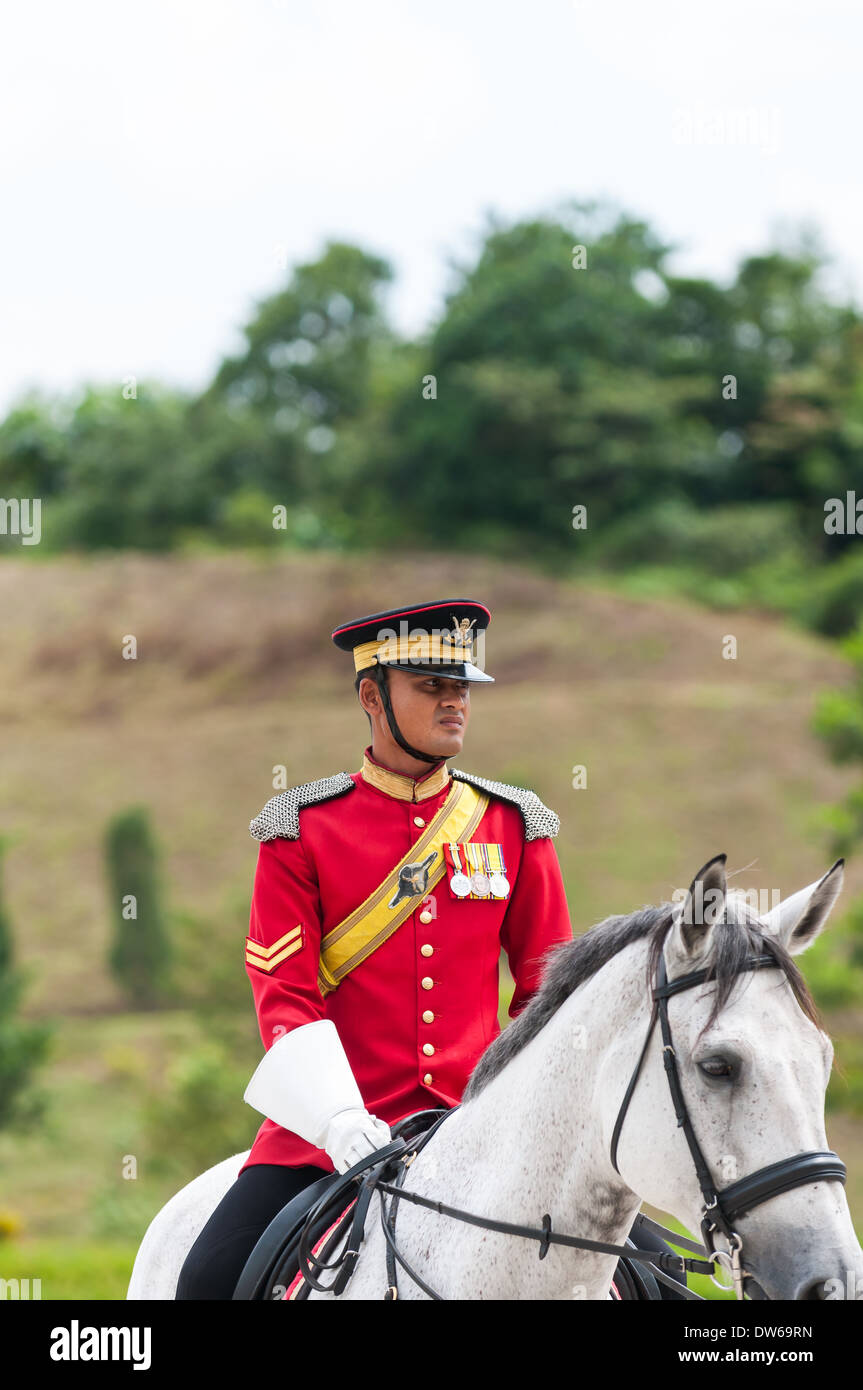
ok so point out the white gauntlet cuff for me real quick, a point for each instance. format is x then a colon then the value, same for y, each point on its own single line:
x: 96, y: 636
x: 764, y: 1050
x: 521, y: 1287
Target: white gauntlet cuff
x: 304, y: 1080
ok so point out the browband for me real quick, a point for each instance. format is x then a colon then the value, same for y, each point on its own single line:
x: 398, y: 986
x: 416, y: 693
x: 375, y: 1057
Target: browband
x: 697, y: 977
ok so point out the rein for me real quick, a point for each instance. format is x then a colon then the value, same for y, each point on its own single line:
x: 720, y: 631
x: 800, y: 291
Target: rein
x: 721, y: 1208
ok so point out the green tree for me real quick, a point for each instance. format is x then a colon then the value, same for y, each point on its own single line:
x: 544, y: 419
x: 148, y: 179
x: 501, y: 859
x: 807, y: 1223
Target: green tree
x: 23, y: 1046
x: 549, y: 394
x: 140, y: 954
x: 839, y: 722
x: 135, y: 476
x: 197, y: 1117
x: 607, y: 384
x: 838, y: 956
x: 307, y: 370
x: 34, y: 447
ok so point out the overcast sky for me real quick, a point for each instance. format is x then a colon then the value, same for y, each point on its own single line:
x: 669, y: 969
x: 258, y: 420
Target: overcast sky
x: 161, y: 161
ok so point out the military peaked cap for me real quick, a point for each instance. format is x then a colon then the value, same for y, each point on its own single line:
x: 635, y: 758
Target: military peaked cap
x: 437, y: 639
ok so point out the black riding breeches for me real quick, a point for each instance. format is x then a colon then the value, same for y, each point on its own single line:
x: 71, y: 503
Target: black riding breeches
x: 216, y: 1260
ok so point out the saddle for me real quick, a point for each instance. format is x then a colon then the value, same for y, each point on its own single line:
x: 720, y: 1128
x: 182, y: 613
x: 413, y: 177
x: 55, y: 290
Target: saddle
x: 273, y: 1262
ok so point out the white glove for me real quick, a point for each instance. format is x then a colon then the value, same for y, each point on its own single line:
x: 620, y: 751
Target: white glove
x: 305, y: 1084
x: 352, y: 1135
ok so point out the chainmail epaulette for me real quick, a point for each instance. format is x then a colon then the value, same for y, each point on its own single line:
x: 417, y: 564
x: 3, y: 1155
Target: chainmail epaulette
x: 280, y: 818
x: 539, y: 821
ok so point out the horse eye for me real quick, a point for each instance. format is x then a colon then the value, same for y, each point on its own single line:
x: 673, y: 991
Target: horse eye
x: 716, y: 1066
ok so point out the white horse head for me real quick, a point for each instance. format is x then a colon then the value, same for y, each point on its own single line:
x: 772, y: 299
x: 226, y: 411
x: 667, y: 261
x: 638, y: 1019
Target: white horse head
x: 754, y: 1065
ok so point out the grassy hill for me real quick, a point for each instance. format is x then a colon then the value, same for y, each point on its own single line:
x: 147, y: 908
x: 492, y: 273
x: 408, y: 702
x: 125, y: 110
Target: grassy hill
x: 687, y: 754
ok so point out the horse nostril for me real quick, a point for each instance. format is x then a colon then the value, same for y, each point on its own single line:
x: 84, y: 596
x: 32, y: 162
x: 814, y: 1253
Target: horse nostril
x: 818, y: 1291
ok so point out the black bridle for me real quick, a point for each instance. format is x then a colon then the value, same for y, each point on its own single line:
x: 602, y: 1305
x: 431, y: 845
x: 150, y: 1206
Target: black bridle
x: 721, y: 1208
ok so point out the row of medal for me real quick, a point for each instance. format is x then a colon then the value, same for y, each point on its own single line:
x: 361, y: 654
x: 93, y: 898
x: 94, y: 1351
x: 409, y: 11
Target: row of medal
x: 477, y: 871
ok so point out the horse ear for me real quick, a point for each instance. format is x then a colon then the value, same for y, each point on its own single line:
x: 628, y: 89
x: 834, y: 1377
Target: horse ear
x: 799, y: 919
x: 701, y: 909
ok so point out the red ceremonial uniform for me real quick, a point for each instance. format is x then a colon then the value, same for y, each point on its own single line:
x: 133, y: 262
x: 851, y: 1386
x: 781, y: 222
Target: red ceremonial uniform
x: 415, y: 1016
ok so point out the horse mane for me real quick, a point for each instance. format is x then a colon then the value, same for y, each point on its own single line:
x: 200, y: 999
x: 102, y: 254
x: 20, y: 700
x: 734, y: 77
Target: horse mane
x: 567, y: 966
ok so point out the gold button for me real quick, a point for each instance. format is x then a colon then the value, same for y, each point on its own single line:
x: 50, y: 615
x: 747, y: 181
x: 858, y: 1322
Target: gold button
x: 418, y: 820
x: 428, y: 1049
x: 427, y: 982
x: 427, y: 950
x: 428, y: 1016
x: 425, y: 917
x: 428, y: 1079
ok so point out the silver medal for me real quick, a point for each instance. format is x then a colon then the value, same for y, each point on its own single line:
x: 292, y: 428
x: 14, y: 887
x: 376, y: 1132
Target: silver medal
x: 460, y: 885
x: 499, y: 885
x: 480, y: 885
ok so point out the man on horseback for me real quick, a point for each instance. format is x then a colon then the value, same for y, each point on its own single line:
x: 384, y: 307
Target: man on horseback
x: 380, y: 905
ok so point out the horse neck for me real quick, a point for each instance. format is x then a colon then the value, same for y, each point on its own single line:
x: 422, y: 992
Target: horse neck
x: 536, y: 1138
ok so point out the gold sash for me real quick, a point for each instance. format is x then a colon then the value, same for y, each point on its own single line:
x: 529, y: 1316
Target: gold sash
x: 374, y: 921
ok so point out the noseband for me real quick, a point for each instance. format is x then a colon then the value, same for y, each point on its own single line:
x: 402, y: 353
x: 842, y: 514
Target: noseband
x: 722, y: 1208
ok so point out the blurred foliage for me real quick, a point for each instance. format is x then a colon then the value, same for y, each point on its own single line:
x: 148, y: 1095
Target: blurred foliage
x: 845, y: 1091
x: 837, y: 957
x: 839, y: 722
x: 140, y: 954
x: 10, y: 1224
x: 195, y: 1118
x: 833, y: 965
x: 209, y: 973
x: 831, y: 598
x: 541, y: 386
x: 121, y: 1210
x: 74, y: 1269
x: 24, y: 1046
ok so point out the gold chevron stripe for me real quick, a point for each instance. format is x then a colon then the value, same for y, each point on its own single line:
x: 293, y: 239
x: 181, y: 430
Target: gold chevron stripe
x: 270, y: 965
x: 268, y: 951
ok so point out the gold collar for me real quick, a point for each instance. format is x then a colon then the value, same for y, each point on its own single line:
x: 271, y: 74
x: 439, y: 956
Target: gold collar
x: 405, y: 788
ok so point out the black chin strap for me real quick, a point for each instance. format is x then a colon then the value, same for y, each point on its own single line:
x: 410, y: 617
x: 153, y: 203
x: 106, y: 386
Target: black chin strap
x: 380, y: 678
